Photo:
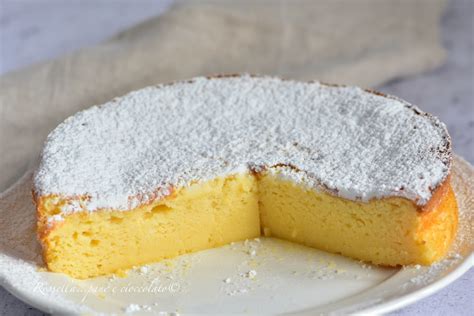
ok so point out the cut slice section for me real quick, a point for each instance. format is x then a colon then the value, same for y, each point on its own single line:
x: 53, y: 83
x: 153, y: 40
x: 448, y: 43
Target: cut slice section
x: 202, y: 216
x: 390, y: 231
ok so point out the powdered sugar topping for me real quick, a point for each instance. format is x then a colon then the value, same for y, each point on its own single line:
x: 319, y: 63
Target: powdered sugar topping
x: 137, y: 148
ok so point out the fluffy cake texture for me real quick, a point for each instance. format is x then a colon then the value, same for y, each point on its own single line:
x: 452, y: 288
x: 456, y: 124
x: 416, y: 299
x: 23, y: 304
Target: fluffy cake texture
x: 320, y: 165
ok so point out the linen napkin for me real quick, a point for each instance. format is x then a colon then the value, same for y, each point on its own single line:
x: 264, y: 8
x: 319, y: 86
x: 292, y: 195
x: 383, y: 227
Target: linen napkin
x: 365, y: 42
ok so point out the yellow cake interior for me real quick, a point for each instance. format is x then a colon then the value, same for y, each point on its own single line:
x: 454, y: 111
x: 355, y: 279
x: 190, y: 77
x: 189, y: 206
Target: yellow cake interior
x: 389, y: 231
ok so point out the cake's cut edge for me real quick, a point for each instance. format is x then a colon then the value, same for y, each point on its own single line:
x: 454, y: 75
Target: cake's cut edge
x: 395, y: 231
x: 389, y: 232
x: 202, y: 216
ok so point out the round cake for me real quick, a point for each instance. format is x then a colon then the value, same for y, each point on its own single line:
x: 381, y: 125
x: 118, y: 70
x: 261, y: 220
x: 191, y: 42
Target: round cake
x: 177, y: 168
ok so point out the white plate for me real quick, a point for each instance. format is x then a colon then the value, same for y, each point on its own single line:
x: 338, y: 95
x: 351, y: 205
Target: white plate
x: 289, y: 278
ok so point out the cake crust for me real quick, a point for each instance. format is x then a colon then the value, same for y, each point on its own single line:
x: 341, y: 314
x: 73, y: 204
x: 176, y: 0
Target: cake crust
x: 88, y: 155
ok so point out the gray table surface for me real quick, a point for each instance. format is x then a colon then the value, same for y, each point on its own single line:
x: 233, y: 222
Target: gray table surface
x: 32, y: 31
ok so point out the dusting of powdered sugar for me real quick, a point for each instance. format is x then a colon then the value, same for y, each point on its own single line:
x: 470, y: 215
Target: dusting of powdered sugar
x: 137, y: 148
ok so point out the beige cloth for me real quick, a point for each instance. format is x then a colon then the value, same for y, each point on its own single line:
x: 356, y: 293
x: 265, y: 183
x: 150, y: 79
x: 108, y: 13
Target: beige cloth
x: 364, y: 42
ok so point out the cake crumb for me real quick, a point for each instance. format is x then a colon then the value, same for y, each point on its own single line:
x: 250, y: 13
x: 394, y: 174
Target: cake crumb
x: 132, y: 308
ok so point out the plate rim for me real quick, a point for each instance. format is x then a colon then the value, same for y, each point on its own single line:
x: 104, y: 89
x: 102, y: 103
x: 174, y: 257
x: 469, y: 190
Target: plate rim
x: 423, y: 292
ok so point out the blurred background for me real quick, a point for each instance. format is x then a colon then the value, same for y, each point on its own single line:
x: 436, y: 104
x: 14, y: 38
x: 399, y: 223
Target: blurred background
x: 57, y: 57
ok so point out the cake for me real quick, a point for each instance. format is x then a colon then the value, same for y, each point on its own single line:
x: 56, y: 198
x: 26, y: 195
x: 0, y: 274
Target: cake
x: 181, y: 167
